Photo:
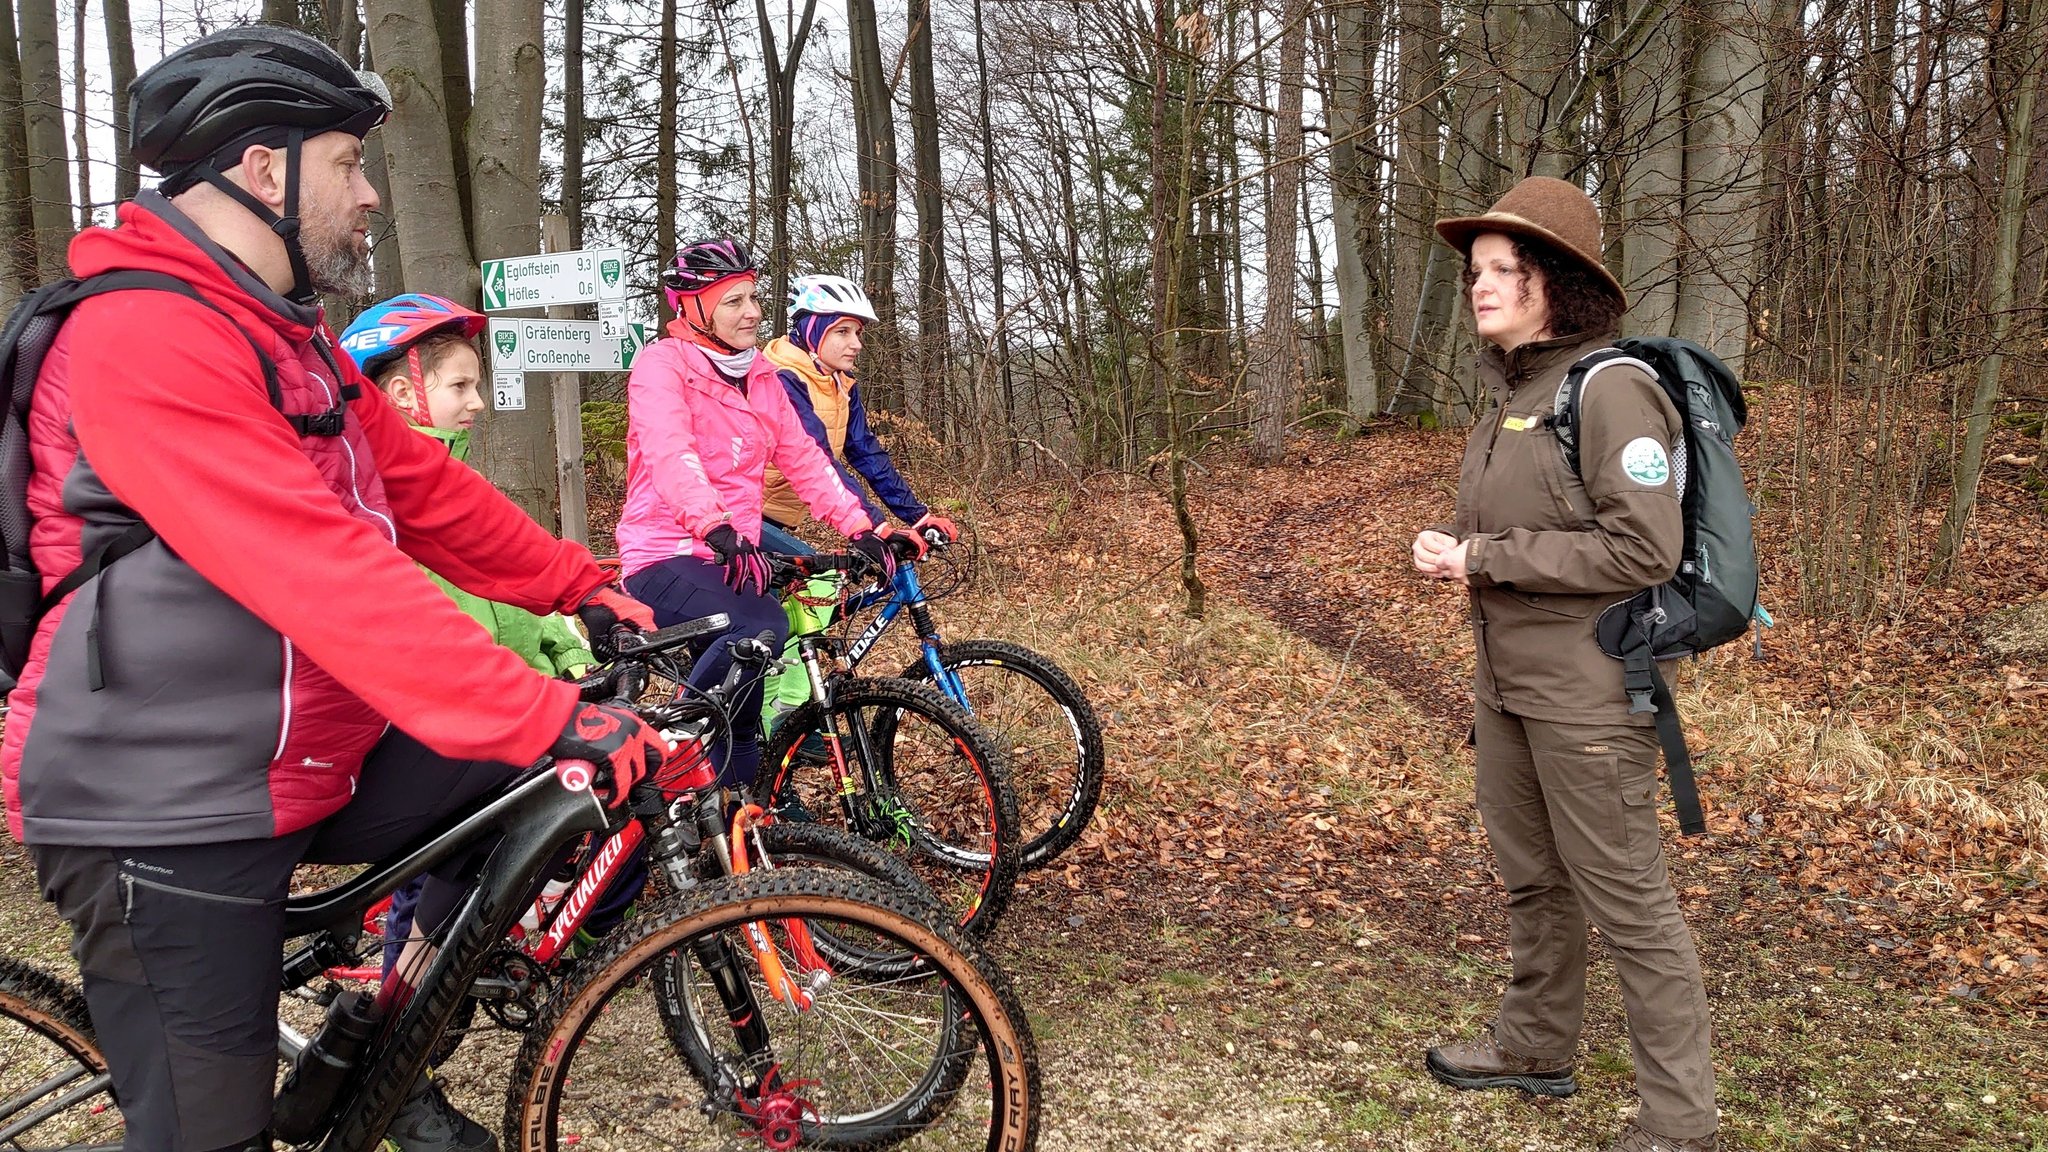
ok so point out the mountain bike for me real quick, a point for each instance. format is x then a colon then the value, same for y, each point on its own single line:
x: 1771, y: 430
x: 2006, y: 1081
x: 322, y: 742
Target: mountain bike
x: 801, y: 1043
x: 1037, y: 716
x: 726, y: 839
x: 895, y: 763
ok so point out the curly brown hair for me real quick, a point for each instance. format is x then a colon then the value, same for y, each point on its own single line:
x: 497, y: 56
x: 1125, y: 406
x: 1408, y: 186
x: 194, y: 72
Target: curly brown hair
x: 1580, y: 301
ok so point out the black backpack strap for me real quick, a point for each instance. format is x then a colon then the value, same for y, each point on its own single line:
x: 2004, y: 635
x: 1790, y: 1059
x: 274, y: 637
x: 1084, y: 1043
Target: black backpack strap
x: 1685, y: 794
x: 1647, y: 692
x: 328, y: 423
x: 131, y: 538
x: 135, y: 536
x: 1563, y: 420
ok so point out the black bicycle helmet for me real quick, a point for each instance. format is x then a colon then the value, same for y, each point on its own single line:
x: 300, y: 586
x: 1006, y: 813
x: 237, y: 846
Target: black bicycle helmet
x: 237, y: 83
x: 193, y: 115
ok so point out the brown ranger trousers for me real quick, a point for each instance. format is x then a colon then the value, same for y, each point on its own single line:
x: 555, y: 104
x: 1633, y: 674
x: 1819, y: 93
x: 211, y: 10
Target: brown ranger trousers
x: 1571, y: 810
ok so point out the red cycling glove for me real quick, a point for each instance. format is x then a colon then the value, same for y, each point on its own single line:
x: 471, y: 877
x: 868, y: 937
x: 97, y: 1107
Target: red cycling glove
x: 944, y: 526
x: 906, y: 544
x: 612, y: 739
x: 607, y: 610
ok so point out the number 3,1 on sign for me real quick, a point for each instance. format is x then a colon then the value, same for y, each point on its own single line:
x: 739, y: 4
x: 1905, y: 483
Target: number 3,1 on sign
x: 508, y: 391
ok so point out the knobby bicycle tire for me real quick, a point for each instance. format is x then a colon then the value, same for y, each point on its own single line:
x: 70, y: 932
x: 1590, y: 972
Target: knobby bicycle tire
x: 48, y: 1054
x: 803, y: 846
x: 593, y: 1027
x: 1054, y: 756
x: 944, y: 802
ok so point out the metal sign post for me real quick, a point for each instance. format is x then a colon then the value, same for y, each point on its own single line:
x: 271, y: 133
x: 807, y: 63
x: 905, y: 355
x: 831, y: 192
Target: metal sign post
x: 559, y: 345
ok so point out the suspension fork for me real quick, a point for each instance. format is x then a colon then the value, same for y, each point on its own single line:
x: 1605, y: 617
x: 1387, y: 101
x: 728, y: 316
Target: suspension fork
x: 721, y: 962
x: 809, y: 651
x: 909, y: 595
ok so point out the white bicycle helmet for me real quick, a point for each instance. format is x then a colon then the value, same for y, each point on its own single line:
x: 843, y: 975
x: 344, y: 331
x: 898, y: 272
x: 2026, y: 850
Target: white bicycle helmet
x: 829, y: 296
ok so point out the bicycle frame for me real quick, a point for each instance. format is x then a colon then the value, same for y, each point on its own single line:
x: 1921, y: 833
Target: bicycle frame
x: 902, y: 594
x: 533, y: 819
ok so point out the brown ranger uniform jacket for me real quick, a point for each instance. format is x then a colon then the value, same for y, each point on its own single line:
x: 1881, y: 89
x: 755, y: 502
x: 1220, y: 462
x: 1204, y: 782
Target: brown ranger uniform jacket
x: 1548, y: 550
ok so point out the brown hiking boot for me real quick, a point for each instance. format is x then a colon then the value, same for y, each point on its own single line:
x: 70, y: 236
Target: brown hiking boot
x: 1635, y: 1138
x: 1482, y: 1063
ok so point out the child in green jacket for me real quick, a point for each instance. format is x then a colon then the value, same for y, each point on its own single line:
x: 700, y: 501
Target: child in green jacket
x: 421, y: 351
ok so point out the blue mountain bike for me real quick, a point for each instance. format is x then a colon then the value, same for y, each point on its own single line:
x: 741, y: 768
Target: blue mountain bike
x: 1033, y: 712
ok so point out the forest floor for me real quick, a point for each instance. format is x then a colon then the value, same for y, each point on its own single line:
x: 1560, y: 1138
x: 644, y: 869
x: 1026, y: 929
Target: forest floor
x: 1286, y: 896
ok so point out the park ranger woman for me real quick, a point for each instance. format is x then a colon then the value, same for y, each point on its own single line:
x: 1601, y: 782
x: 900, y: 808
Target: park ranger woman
x: 1566, y: 776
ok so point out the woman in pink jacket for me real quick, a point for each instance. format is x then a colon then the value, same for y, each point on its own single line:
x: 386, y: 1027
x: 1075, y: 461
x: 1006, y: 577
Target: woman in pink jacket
x: 705, y: 416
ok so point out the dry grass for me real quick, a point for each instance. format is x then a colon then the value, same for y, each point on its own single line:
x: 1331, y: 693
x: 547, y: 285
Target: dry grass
x: 1907, y: 764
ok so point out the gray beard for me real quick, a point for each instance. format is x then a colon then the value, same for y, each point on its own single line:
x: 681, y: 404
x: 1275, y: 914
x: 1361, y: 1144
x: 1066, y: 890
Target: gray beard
x: 340, y: 270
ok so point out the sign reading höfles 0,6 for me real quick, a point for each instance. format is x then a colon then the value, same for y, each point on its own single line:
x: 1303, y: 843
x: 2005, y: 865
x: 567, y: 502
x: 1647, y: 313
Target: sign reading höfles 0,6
x: 577, y: 277
x: 562, y: 346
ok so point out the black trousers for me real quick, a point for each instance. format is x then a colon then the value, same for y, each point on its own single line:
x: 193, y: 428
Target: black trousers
x: 181, y: 946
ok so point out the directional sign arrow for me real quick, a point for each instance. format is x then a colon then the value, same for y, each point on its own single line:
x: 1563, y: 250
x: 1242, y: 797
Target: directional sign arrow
x: 494, y: 284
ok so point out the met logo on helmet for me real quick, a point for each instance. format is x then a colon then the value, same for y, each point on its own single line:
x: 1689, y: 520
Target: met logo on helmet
x: 372, y: 339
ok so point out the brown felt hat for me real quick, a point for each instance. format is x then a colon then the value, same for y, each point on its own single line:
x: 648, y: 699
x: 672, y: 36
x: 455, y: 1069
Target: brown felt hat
x: 1552, y: 211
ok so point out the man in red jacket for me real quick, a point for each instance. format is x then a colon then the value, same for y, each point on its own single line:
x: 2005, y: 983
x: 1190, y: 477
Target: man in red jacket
x: 202, y: 715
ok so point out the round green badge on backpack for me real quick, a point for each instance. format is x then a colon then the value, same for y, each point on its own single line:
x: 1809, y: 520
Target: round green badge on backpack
x: 1645, y: 462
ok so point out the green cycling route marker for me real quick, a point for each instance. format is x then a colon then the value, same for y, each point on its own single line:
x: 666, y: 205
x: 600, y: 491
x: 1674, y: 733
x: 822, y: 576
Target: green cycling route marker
x: 578, y: 277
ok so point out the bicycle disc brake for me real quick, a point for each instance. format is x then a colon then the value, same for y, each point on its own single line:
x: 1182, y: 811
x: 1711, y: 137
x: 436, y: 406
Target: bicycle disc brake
x: 777, y: 1114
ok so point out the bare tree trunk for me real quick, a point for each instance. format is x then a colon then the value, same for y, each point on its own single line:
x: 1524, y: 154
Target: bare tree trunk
x: 344, y: 28
x: 1535, y: 50
x: 17, y: 205
x: 1416, y: 162
x: 874, y: 111
x: 2028, y: 47
x: 515, y: 449
x: 782, y: 74
x: 995, y: 235
x: 1352, y: 100
x: 1276, y: 359
x: 1165, y: 149
x: 79, y: 141
x: 49, y: 166
x: 451, y: 20
x: 405, y: 46
x: 928, y: 184
x: 1472, y: 176
x: 572, y: 121
x: 388, y: 255
x: 1651, y: 88
x: 665, y: 153
x: 281, y: 12
x: 121, y: 71
x: 1723, y: 169
x: 1315, y: 359
x: 1173, y: 140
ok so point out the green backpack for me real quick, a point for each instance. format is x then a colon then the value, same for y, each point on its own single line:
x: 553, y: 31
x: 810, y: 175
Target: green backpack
x: 1713, y: 597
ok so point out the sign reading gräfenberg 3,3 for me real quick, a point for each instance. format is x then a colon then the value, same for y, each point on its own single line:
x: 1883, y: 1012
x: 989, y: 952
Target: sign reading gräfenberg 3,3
x: 577, y: 277
x: 562, y: 346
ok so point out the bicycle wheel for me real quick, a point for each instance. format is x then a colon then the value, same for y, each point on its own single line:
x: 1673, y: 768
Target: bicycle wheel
x: 926, y: 784
x: 1044, y: 727
x: 54, y: 1087
x: 803, y: 846
x: 940, y: 1060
